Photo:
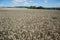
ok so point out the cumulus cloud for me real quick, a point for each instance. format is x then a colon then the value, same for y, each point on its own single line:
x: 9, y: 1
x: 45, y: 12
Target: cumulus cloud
x: 18, y: 1
x: 30, y: 1
x: 57, y: 4
x: 24, y: 2
x: 1, y: 5
x: 45, y: 1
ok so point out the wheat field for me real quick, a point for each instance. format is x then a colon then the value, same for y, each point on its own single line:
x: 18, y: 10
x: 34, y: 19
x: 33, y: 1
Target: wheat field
x: 29, y: 24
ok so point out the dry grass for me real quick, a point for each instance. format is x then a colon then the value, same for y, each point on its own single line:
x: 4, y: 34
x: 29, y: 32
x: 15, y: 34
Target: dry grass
x: 29, y: 24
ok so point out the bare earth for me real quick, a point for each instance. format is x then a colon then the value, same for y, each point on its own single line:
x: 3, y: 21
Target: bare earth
x: 29, y: 24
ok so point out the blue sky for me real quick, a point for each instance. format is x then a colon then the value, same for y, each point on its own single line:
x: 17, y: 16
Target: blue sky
x: 44, y: 3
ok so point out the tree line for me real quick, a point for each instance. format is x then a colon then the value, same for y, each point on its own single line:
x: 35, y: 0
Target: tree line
x: 34, y: 7
x: 40, y: 7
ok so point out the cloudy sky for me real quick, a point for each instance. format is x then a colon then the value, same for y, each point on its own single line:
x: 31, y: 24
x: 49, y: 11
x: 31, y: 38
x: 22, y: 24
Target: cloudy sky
x: 44, y: 3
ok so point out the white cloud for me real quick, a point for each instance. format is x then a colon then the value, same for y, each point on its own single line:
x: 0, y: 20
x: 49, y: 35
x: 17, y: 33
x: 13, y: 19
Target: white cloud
x: 1, y: 5
x: 24, y: 2
x: 18, y: 1
x: 30, y: 1
x: 45, y: 1
x: 57, y: 4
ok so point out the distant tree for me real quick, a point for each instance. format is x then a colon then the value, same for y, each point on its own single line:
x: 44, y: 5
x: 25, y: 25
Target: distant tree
x: 40, y: 7
x: 32, y: 7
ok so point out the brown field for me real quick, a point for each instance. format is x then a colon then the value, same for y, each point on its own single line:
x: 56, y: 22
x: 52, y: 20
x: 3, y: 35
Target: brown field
x: 29, y: 24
